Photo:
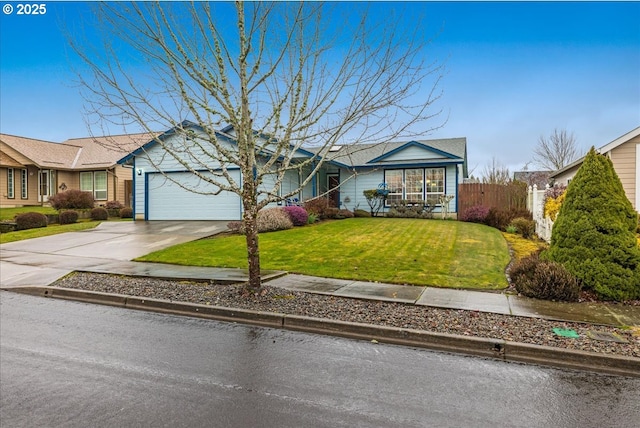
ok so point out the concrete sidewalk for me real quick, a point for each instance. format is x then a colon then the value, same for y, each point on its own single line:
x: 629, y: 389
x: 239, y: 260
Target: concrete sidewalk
x: 51, y: 268
x: 481, y: 301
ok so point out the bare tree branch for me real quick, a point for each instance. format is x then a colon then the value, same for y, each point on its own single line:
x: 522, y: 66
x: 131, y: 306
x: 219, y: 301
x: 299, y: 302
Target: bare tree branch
x: 556, y: 151
x: 285, y: 75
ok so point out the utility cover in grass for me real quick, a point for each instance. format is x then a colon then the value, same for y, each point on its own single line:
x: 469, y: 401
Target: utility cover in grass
x: 566, y: 332
x: 605, y: 337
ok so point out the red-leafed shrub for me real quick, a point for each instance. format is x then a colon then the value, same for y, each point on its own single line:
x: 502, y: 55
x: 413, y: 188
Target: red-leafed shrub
x: 72, y: 200
x: 319, y: 207
x: 30, y: 220
x: 99, y: 214
x: 475, y: 214
x: 68, y: 217
x: 126, y: 212
x: 298, y: 215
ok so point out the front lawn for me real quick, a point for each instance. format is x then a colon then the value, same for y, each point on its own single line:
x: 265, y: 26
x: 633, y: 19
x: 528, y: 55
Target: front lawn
x: 401, y: 251
x: 52, y: 229
x: 10, y: 213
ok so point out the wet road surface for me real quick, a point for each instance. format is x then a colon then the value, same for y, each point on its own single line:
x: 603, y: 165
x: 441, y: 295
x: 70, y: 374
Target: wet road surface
x: 75, y: 365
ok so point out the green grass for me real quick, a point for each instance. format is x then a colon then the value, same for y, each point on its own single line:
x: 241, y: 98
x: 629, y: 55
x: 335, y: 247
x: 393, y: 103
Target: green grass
x: 402, y: 251
x: 52, y: 229
x: 10, y: 213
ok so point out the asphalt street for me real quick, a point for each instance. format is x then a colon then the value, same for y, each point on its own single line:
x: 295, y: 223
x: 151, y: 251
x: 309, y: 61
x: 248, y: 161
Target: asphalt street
x: 74, y: 364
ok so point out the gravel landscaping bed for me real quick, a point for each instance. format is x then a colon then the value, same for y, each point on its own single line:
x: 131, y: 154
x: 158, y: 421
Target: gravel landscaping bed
x: 462, y: 322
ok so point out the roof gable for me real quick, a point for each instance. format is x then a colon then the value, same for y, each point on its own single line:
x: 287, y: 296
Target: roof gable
x: 413, y: 151
x: 449, y: 150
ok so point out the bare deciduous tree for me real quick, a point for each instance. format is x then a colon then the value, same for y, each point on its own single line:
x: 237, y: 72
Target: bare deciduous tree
x: 284, y: 75
x: 496, y: 173
x: 556, y: 151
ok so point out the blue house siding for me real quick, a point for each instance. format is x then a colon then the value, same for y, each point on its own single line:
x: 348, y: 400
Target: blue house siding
x: 359, y: 168
x: 371, y: 178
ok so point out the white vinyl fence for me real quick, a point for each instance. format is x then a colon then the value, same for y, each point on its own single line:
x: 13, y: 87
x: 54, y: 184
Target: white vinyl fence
x: 535, y: 205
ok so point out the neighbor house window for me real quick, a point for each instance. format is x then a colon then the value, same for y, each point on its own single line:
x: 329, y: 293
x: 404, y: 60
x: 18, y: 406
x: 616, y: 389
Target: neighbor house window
x: 10, y: 184
x: 24, y: 189
x: 96, y: 183
x: 416, y: 184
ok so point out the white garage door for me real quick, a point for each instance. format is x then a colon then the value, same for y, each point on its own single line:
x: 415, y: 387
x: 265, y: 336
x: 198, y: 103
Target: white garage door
x: 168, y: 201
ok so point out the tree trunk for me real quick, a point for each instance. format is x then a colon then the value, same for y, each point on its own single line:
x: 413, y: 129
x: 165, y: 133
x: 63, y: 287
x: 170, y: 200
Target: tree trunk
x: 250, y: 220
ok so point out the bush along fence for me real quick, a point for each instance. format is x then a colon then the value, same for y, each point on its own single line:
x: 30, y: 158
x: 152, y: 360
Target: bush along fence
x: 544, y: 205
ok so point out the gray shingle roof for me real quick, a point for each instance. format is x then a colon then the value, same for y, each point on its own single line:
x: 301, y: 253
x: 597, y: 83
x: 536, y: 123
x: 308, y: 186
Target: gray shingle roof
x: 362, y: 154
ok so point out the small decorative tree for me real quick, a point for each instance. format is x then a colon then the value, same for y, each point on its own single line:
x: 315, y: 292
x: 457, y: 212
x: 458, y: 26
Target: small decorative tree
x: 594, y: 234
x: 375, y: 200
x: 444, y: 203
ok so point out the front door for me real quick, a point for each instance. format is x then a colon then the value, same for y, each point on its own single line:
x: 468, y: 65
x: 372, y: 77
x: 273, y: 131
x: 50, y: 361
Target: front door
x: 333, y: 181
x: 46, y: 185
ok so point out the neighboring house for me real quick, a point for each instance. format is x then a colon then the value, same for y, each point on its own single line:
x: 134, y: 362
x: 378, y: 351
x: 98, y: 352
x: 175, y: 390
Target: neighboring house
x: 414, y: 170
x: 624, y: 153
x: 33, y: 170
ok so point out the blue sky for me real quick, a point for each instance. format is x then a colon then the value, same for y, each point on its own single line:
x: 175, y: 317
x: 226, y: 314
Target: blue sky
x: 515, y: 71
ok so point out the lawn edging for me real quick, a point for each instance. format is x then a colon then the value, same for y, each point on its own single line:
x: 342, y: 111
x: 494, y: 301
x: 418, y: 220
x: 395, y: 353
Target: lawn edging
x: 470, y: 345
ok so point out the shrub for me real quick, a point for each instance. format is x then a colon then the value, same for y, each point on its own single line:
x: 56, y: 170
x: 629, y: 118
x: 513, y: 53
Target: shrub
x: 318, y: 206
x: 99, y: 213
x: 524, y: 226
x: 331, y: 212
x: 126, y: 212
x: 297, y: 215
x: 113, y: 205
x: 552, y: 206
x: 312, y: 218
x: 475, y: 214
x: 273, y: 219
x: 68, y: 217
x: 344, y: 214
x: 361, y: 213
x: 511, y: 229
x: 594, y: 235
x: 30, y: 220
x: 72, y: 200
x: 236, y: 227
x: 544, y: 279
x: 498, y: 218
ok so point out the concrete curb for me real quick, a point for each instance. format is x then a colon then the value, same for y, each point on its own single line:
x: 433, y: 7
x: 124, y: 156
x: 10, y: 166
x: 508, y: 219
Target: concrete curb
x: 484, y: 347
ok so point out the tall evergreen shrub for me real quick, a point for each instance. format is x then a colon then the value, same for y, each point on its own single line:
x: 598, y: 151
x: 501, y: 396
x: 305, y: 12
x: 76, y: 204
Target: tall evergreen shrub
x: 594, y: 233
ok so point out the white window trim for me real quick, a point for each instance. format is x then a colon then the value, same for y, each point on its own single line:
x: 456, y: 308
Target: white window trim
x: 424, y: 182
x: 11, y: 184
x: 106, y: 186
x: 24, y: 184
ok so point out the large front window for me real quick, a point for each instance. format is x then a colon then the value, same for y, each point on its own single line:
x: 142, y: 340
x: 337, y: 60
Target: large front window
x: 416, y: 184
x: 96, y: 183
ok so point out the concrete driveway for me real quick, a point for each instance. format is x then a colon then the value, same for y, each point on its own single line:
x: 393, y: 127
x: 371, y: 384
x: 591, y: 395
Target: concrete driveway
x: 41, y: 261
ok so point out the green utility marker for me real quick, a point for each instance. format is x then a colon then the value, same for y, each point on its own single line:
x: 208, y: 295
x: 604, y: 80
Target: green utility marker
x: 566, y: 332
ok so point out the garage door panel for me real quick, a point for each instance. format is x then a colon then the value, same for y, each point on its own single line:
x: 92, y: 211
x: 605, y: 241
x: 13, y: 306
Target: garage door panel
x: 169, y: 201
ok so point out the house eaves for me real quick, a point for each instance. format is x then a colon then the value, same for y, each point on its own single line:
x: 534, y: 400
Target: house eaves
x: 602, y: 150
x: 412, y: 144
